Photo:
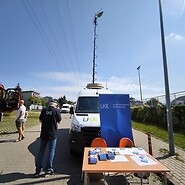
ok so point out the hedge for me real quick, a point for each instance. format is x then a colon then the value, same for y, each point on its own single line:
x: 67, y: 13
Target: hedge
x: 157, y: 116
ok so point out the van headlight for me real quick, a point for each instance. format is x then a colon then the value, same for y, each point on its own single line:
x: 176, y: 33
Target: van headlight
x: 76, y: 128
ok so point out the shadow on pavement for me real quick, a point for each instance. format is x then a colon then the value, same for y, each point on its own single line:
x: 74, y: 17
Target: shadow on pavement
x: 64, y: 163
x: 7, y: 141
x: 4, y: 178
x: 8, y: 132
x: 163, y: 157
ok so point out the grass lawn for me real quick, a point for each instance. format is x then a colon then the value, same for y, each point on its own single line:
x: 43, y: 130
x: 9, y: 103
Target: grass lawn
x: 160, y: 133
x: 7, y: 125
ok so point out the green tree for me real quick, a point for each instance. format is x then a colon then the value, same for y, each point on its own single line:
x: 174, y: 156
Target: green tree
x: 44, y: 102
x: 62, y: 100
x: 35, y: 100
x: 153, y: 102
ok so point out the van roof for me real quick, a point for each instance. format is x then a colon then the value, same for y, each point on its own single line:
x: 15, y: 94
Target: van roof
x: 94, y: 92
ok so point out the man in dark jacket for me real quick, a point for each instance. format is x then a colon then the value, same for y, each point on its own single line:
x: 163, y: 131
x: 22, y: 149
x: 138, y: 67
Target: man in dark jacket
x: 49, y: 118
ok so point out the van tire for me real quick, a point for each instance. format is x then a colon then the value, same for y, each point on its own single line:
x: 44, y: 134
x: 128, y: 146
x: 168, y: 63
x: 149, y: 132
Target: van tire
x: 72, y: 154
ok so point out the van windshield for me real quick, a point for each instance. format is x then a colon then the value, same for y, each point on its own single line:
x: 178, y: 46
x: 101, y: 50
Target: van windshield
x: 87, y: 105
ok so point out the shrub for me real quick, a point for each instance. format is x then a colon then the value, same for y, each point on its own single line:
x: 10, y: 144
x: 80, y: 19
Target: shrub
x: 157, y: 116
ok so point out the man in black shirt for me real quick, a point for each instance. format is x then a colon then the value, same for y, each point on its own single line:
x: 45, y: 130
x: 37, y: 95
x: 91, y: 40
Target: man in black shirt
x: 49, y: 118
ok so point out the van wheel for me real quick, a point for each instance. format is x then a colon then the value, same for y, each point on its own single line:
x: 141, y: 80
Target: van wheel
x: 72, y: 154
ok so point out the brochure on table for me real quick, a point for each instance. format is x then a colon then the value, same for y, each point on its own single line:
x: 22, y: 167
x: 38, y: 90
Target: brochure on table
x: 138, y: 155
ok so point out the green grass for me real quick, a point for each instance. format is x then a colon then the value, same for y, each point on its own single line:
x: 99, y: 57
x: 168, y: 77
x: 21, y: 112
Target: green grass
x: 160, y: 133
x: 7, y: 125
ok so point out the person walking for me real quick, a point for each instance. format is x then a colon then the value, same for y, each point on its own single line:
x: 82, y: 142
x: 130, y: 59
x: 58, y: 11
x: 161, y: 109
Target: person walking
x: 71, y: 111
x: 49, y: 117
x: 20, y: 120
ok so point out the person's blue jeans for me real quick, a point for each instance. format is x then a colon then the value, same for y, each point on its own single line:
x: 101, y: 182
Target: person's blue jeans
x: 43, y: 145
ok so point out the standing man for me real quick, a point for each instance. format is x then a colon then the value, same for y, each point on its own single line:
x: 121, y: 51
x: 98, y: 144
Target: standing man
x: 49, y: 118
x: 1, y: 116
x: 20, y: 120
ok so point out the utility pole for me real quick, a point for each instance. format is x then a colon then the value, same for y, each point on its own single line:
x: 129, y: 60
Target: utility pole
x: 138, y: 68
x: 168, y: 102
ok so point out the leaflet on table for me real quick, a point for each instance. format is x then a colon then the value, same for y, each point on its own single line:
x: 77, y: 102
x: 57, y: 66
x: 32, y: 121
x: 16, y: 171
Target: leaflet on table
x: 113, y: 150
x: 143, y: 160
x: 132, y: 151
x: 120, y: 158
x: 127, y: 151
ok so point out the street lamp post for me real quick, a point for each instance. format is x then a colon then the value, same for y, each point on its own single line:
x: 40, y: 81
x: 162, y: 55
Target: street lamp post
x: 138, y: 68
x: 99, y: 14
x: 167, y: 94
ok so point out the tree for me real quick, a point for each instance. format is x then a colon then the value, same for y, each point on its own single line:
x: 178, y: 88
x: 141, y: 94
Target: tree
x: 35, y: 100
x: 62, y: 100
x: 153, y: 102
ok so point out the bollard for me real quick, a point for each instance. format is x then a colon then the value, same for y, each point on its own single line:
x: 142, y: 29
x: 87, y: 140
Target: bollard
x: 149, y: 144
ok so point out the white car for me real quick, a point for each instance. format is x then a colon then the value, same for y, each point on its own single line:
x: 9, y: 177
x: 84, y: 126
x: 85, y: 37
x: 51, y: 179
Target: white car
x: 65, y: 108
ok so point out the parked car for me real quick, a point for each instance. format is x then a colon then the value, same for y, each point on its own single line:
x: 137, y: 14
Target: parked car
x: 65, y: 108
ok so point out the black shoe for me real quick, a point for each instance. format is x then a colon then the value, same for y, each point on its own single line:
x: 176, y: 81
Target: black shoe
x: 37, y: 175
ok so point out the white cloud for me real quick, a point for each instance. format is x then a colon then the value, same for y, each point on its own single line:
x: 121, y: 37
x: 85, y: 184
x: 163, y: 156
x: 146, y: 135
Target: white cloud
x: 116, y: 84
x: 70, y: 92
x: 175, y: 37
x: 59, y: 76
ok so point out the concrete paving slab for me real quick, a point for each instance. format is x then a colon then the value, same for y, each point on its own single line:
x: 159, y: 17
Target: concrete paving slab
x: 17, y: 160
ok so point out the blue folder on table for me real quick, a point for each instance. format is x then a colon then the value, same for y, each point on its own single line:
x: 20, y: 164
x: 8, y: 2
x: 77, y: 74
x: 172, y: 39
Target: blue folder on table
x: 110, y: 156
x: 92, y: 160
x: 102, y: 157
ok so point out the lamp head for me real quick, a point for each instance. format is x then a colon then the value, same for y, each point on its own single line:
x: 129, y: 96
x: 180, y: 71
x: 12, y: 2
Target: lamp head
x: 99, y: 14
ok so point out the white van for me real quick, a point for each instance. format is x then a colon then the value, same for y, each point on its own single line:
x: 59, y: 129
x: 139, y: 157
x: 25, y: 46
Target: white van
x: 85, y: 123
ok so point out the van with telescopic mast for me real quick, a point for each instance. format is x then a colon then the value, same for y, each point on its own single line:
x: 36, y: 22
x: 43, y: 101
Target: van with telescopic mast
x: 85, y: 123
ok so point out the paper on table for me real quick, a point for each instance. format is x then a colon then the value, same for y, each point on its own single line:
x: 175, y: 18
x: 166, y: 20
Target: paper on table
x: 132, y: 151
x: 116, y: 150
x: 120, y: 158
x: 126, y: 151
x: 143, y: 160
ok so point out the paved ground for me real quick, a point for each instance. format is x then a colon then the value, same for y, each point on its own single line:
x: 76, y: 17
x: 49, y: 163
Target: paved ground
x: 17, y: 160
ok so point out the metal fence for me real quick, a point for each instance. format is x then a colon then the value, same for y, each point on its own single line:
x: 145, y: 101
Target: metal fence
x: 175, y: 98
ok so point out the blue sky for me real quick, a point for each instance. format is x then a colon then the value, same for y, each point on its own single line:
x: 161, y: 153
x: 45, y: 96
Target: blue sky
x: 47, y: 45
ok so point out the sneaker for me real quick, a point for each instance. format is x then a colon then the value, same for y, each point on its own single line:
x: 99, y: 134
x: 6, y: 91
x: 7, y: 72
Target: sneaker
x: 49, y: 172
x: 37, y: 175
